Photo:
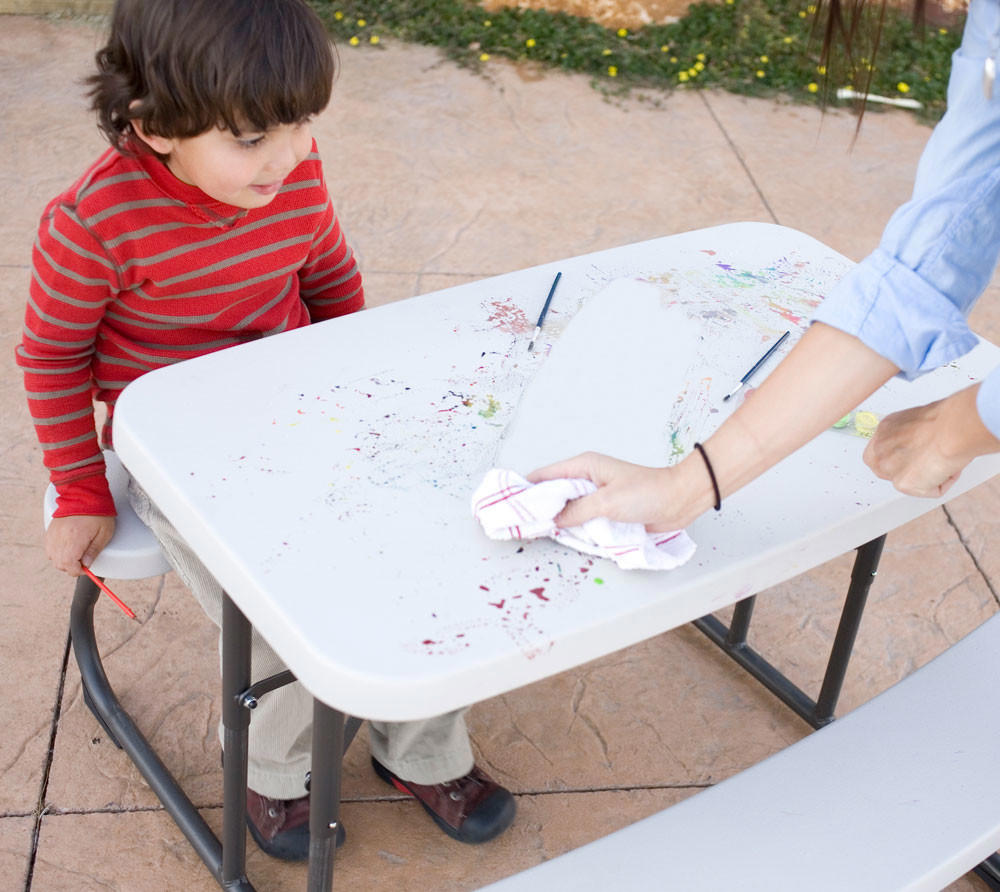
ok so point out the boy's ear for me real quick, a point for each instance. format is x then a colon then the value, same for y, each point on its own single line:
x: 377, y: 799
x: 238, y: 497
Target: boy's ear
x: 159, y: 144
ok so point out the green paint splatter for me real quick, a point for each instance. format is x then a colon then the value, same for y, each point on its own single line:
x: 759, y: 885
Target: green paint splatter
x: 675, y: 444
x: 491, y: 407
x: 598, y: 580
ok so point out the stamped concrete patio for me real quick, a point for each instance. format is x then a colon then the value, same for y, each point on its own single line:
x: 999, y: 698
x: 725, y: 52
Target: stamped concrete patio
x: 441, y: 176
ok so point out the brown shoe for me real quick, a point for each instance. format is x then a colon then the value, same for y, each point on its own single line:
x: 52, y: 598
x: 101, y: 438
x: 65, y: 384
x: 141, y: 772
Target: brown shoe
x: 280, y: 827
x: 473, y: 808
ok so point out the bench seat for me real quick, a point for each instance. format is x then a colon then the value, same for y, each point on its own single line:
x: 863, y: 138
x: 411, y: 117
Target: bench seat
x: 903, y: 793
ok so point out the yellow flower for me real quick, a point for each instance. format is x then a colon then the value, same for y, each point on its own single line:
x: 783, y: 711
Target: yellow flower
x: 903, y: 87
x: 362, y: 23
x: 692, y: 72
x: 338, y: 15
x: 700, y: 57
x: 802, y: 13
x: 942, y: 30
x: 374, y: 39
x: 760, y: 73
x: 810, y: 9
x: 812, y: 88
x: 612, y: 71
x: 699, y: 66
x: 730, y: 2
x: 764, y: 59
x: 673, y: 59
x: 664, y: 49
x: 354, y: 41
x: 487, y: 24
x: 530, y: 42
x: 623, y: 32
x: 682, y: 76
x: 484, y: 57
x: 821, y: 69
x: 605, y: 52
x: 788, y: 39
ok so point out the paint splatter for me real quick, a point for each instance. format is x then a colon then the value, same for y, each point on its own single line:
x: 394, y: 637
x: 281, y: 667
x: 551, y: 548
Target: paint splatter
x: 492, y: 405
x: 675, y: 444
x: 509, y: 317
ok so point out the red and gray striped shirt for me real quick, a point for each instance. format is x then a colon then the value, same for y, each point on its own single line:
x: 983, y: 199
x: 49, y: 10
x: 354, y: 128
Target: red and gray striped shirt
x: 134, y: 269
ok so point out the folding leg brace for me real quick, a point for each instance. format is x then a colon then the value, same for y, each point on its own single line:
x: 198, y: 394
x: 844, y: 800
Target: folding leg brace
x: 226, y: 860
x: 733, y: 640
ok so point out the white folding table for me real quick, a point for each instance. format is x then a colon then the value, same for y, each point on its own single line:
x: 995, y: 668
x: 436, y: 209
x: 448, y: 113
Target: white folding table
x: 324, y: 477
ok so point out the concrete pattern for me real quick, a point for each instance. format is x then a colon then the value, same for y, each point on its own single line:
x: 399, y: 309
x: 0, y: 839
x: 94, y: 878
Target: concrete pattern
x: 442, y: 176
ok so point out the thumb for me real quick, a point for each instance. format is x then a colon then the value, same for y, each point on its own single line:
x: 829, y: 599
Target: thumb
x: 580, y: 510
x: 94, y: 548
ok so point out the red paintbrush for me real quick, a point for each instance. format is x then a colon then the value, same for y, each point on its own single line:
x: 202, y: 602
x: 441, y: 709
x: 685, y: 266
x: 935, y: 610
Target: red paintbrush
x: 125, y: 608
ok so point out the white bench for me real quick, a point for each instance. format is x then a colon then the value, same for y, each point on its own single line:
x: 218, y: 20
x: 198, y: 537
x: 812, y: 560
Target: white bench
x: 901, y: 793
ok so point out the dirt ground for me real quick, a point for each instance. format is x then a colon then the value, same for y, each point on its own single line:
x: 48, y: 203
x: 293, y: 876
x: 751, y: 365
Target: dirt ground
x: 610, y: 13
x: 636, y: 13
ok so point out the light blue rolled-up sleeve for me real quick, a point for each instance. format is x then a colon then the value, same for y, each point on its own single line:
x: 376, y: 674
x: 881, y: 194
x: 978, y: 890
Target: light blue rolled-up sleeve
x: 909, y: 299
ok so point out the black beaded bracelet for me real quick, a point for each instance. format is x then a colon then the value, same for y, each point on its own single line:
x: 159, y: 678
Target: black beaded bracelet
x: 711, y: 473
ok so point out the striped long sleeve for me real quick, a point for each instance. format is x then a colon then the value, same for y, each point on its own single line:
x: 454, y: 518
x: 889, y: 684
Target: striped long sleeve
x: 133, y: 270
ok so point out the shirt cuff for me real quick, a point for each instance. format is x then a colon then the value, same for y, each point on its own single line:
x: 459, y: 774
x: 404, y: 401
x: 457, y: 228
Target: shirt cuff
x: 87, y: 495
x: 897, y: 314
x: 988, y: 402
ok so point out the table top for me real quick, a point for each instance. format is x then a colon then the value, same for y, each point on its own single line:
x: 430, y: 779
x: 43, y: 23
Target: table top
x: 324, y: 475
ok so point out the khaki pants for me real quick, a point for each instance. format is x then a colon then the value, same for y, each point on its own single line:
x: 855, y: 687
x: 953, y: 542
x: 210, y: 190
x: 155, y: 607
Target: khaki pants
x: 431, y: 751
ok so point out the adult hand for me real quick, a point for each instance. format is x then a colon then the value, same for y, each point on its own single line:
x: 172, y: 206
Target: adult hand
x: 924, y: 449
x: 625, y: 492
x: 73, y: 543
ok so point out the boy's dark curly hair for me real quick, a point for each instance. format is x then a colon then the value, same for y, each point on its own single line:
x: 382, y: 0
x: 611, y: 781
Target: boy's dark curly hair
x: 182, y: 67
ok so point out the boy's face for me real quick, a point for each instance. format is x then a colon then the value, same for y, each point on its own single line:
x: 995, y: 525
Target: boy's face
x: 245, y: 171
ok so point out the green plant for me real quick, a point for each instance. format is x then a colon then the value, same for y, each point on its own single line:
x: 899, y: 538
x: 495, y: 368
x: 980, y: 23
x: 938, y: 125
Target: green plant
x: 754, y: 47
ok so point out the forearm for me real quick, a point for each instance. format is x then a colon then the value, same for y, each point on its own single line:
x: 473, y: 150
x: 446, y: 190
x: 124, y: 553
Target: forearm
x: 963, y: 434
x: 826, y: 375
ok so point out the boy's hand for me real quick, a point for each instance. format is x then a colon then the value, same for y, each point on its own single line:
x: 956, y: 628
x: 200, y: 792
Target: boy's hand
x: 73, y: 542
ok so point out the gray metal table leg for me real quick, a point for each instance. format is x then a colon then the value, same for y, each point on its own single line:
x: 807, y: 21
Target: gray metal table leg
x: 732, y: 640
x: 109, y: 712
x: 324, y: 803
x: 235, y: 730
x: 989, y: 871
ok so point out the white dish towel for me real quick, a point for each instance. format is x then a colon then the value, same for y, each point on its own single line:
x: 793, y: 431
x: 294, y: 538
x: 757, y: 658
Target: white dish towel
x: 509, y: 507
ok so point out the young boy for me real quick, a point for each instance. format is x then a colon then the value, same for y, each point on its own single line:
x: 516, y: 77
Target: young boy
x: 207, y: 224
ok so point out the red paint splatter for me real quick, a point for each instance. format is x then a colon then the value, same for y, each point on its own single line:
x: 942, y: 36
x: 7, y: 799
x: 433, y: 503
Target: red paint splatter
x: 428, y: 641
x: 484, y: 588
x: 509, y: 318
x: 538, y: 592
x: 498, y: 604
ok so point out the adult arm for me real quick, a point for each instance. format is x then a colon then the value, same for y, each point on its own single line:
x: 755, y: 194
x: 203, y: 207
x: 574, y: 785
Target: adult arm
x: 901, y: 309
x: 824, y: 376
